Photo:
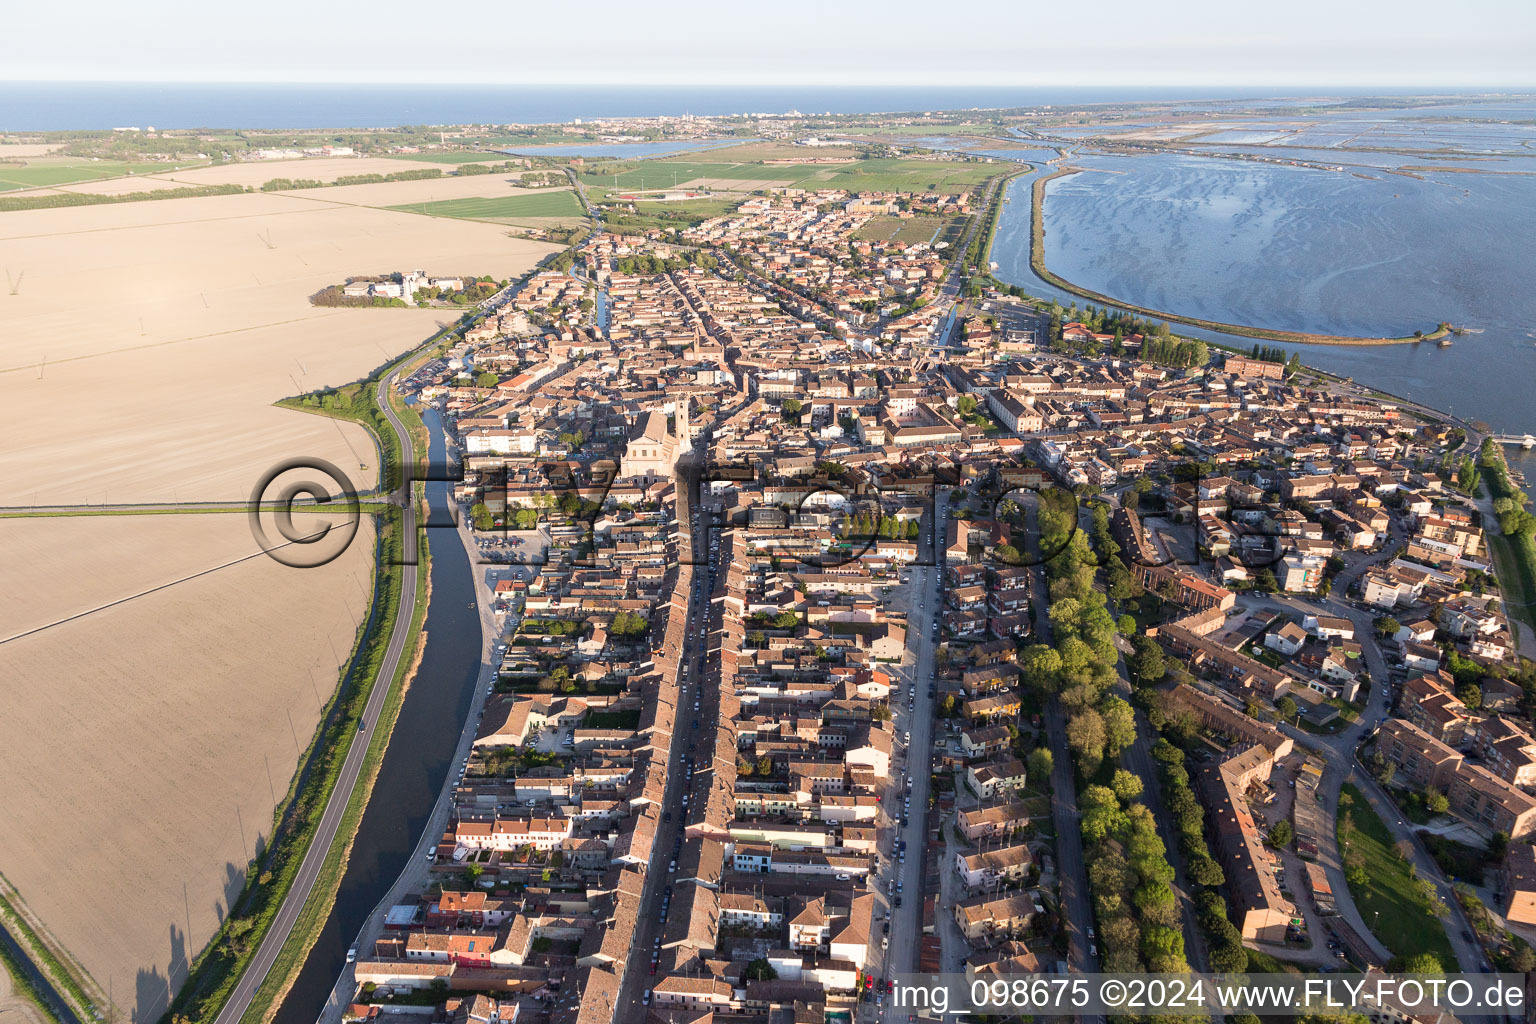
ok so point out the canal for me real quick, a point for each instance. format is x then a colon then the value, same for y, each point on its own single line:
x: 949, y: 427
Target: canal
x: 419, y: 756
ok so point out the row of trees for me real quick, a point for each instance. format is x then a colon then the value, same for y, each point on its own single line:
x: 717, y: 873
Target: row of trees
x: 646, y: 265
x: 1176, y: 352
x: 873, y: 524
x: 1131, y: 880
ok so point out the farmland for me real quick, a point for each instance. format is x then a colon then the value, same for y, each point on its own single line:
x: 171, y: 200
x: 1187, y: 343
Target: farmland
x: 44, y: 171
x: 560, y: 203
x: 456, y: 157
x: 184, y: 761
x: 201, y: 306
x: 883, y: 174
x: 175, y: 737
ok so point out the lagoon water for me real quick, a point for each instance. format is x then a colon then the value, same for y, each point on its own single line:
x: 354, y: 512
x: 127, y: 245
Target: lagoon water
x: 1311, y: 250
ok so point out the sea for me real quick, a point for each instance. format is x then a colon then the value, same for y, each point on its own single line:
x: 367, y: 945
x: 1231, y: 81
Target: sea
x: 44, y: 106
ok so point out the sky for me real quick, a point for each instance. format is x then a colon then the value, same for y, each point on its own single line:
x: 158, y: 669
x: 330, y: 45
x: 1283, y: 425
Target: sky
x: 1402, y: 43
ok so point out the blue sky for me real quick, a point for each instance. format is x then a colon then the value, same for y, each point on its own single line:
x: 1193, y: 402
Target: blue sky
x: 1409, y: 43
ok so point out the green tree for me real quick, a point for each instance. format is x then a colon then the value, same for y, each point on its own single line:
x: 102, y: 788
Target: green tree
x: 1285, y: 707
x: 1126, y: 786
x: 1119, y: 725
x: 759, y: 970
x: 1436, y: 801
x: 487, y: 379
x: 1040, y: 765
x: 1085, y: 735
x: 1281, y: 834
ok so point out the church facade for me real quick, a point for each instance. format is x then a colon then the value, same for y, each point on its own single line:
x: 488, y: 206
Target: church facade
x: 654, y: 449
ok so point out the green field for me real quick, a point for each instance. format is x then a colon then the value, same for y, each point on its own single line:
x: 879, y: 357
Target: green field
x: 560, y: 203
x: 44, y: 171
x: 452, y: 158
x: 1404, y: 925
x: 662, y: 173
x: 914, y: 229
x: 886, y: 174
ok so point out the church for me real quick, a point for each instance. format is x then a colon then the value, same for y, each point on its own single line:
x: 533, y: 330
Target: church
x: 653, y: 450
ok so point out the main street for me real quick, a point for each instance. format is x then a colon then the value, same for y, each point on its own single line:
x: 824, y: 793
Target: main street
x: 688, y: 728
x: 914, y: 716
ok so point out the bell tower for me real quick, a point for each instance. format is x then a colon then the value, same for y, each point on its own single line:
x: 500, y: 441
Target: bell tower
x: 685, y: 427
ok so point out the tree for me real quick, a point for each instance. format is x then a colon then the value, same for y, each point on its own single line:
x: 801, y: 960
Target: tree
x: 1423, y: 963
x: 1205, y: 871
x: 1285, y: 707
x: 1281, y: 834
x: 1126, y: 625
x: 1040, y: 665
x: 1147, y: 663
x: 1386, y: 625
x: 791, y: 409
x: 1126, y: 786
x: 1436, y: 801
x: 487, y: 379
x: 1085, y: 735
x: 1471, y: 695
x: 1040, y: 765
x: 765, y: 766
x: 1231, y: 958
x: 1119, y: 725
x: 759, y: 970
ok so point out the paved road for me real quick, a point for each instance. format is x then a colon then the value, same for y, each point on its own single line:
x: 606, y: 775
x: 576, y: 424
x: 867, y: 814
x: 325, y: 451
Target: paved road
x: 314, y: 858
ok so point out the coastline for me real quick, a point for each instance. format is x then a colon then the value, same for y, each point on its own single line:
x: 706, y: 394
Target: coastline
x: 1037, y: 265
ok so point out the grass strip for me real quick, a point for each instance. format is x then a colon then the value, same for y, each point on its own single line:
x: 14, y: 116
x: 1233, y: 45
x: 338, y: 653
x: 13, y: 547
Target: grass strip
x: 1388, y: 899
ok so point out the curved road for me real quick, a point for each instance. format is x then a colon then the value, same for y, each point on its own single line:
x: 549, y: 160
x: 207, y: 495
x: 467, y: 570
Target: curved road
x: 314, y: 858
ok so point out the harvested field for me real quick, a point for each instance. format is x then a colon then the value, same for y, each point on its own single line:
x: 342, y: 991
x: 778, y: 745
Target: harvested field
x: 256, y: 173
x: 399, y: 193
x: 161, y: 737
x: 23, y: 150
x: 176, y: 324
x: 732, y: 184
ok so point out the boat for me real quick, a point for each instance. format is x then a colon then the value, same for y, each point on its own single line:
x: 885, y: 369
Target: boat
x: 1445, y: 342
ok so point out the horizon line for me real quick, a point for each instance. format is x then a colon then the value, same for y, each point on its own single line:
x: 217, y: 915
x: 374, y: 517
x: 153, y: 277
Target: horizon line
x: 1410, y: 88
